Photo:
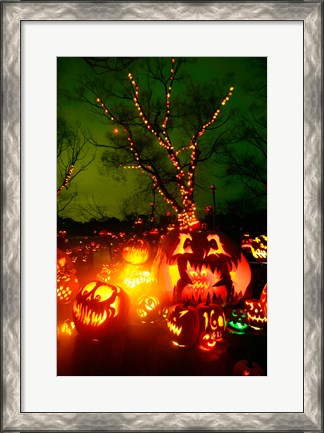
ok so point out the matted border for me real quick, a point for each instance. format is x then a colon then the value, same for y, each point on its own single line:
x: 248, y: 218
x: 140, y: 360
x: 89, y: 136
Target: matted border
x: 311, y: 14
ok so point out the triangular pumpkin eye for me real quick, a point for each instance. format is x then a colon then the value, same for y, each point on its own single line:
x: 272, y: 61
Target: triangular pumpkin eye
x: 182, y: 313
x: 187, y: 243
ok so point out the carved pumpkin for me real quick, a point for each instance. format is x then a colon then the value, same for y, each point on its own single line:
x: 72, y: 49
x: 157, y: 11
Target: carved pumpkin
x: 207, y: 341
x: 100, y: 310
x: 148, y: 308
x: 192, y: 266
x: 105, y: 274
x: 212, y: 323
x: 67, y: 286
x: 246, y: 367
x: 256, y: 318
x: 183, y: 324
x: 136, y: 251
x: 264, y: 300
x: 237, y: 321
x: 63, y: 262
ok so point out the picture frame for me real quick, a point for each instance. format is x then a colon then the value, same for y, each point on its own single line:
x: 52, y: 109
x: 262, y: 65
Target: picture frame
x: 311, y: 15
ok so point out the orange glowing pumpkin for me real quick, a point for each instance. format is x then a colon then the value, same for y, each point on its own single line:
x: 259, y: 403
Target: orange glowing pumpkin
x: 148, y: 308
x: 67, y: 286
x: 255, y: 316
x: 100, y: 310
x: 136, y: 251
x: 196, y: 265
x: 183, y: 324
x: 212, y: 324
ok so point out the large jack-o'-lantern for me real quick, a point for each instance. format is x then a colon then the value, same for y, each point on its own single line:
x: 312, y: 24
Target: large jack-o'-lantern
x: 195, y: 265
x: 100, y: 310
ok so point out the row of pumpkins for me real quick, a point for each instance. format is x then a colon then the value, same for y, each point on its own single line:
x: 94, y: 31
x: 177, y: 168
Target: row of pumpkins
x: 196, y: 275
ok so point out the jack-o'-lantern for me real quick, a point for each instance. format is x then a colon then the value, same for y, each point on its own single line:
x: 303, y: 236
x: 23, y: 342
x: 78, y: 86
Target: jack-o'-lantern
x: 246, y: 367
x: 207, y: 341
x: 66, y: 329
x: 256, y: 318
x: 136, y: 251
x: 195, y: 265
x: 148, y: 308
x: 137, y: 278
x: 67, y: 286
x: 100, y: 310
x: 183, y: 324
x: 264, y: 300
x: 63, y: 262
x: 236, y: 321
x: 212, y: 323
x: 105, y: 274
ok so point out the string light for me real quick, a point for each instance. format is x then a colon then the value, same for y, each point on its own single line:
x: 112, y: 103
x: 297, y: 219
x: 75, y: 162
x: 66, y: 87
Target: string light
x: 66, y: 180
x: 185, y: 180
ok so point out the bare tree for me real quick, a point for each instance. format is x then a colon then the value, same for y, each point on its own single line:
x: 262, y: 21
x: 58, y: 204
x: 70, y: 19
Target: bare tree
x: 162, y: 140
x: 74, y: 155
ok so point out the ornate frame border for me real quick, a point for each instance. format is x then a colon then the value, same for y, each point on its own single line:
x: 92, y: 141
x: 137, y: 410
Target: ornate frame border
x: 311, y: 14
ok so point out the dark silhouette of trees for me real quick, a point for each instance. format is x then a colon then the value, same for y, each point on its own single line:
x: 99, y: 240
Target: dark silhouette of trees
x: 74, y: 155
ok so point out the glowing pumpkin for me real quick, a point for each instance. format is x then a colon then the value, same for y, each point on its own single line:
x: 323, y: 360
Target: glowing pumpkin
x: 105, y: 274
x: 148, y: 308
x: 212, y: 323
x: 237, y: 321
x: 183, y: 324
x: 207, y: 341
x: 100, y: 310
x: 67, y: 286
x: 264, y: 301
x: 136, y: 251
x: 246, y: 367
x: 63, y: 261
x: 256, y: 318
x: 195, y: 265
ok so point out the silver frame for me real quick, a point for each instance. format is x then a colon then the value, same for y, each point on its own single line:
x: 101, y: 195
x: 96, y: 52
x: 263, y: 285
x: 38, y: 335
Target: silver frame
x: 311, y: 14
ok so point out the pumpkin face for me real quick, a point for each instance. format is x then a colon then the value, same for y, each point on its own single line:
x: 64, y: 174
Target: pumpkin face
x: 183, y: 324
x: 148, y: 308
x: 237, y: 321
x: 67, y: 286
x: 100, y: 310
x: 206, y: 341
x: 247, y: 368
x: 196, y: 265
x: 264, y: 300
x: 212, y: 323
x: 105, y: 274
x: 256, y: 318
x: 136, y: 251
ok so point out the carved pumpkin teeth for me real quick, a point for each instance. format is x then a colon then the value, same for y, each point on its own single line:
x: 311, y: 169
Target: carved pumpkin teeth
x: 174, y: 328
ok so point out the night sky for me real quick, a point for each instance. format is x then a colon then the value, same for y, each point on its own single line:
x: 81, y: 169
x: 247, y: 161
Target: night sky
x: 208, y: 77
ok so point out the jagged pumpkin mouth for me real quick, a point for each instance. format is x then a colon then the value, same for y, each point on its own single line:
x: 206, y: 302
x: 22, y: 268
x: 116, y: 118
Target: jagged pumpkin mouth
x: 88, y: 316
x: 197, y: 277
x: 176, y: 330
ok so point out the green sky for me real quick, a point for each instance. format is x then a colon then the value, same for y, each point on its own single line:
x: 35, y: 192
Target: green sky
x: 213, y: 75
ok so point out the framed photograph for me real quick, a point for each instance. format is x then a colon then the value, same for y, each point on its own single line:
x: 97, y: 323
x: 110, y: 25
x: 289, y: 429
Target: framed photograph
x: 126, y: 303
